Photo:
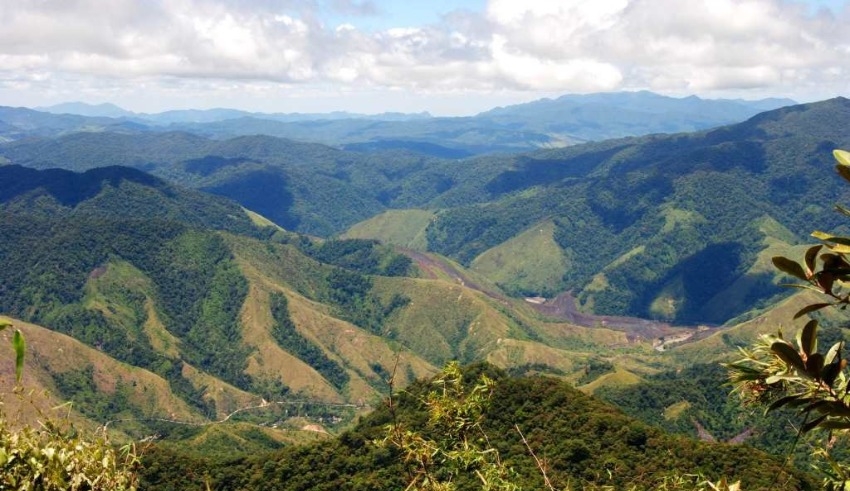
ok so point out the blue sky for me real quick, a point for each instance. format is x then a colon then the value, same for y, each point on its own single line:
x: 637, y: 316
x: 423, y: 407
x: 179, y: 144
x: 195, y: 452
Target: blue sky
x: 446, y: 57
x: 408, y: 13
x: 417, y: 12
x: 834, y: 5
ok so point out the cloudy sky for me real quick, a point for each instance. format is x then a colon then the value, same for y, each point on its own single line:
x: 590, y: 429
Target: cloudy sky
x: 446, y: 57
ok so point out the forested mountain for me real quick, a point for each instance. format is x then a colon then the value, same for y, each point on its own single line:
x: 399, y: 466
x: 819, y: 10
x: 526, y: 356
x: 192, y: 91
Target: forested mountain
x: 304, y: 187
x: 632, y: 225
x: 222, y: 313
x: 182, y: 308
x: 583, y: 442
x: 623, y: 224
x: 117, y: 193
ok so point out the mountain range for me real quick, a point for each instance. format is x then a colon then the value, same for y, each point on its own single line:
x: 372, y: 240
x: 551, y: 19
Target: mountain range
x: 623, y: 224
x: 247, y: 293
x: 544, y: 123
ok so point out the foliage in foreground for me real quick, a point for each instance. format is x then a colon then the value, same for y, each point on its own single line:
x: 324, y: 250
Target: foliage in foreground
x: 459, y: 445
x: 581, y: 442
x: 777, y: 373
x: 55, y: 458
x: 49, y: 458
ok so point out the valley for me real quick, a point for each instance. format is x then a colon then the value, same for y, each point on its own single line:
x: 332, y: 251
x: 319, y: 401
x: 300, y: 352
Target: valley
x: 243, y: 300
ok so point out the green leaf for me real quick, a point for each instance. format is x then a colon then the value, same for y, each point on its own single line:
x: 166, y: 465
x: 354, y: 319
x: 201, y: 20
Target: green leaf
x: 830, y: 408
x: 808, y: 336
x: 20, y: 348
x: 811, y: 257
x: 800, y: 402
x: 842, y: 156
x: 812, y: 424
x: 810, y: 308
x: 781, y: 402
x: 787, y: 354
x: 790, y: 267
x: 834, y: 351
x: 801, y: 287
x: 778, y: 378
x: 825, y: 280
x: 843, y: 210
x: 820, y: 406
x: 830, y: 238
x: 834, y: 424
x: 839, y: 247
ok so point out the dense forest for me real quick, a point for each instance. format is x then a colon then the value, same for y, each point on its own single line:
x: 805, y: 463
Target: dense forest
x: 262, y: 357
x: 584, y: 441
x: 635, y: 219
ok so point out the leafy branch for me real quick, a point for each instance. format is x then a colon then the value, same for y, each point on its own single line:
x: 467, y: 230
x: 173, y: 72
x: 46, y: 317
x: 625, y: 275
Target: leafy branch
x: 20, y: 347
x: 778, y: 374
x: 455, y: 442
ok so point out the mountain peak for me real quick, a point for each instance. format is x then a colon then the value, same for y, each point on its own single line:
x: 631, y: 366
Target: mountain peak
x: 115, y: 192
x: 106, y: 109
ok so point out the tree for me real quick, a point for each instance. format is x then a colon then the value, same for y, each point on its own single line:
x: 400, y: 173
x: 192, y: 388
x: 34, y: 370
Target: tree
x: 451, y: 450
x: 777, y: 373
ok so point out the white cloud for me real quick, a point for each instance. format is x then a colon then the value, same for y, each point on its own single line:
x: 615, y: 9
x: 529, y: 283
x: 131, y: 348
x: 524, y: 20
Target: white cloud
x: 530, y: 45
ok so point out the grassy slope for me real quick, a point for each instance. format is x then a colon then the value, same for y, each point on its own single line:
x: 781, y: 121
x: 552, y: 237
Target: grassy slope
x: 721, y: 345
x: 528, y: 262
x: 445, y: 319
x: 50, y: 353
x: 107, y: 291
x: 405, y: 228
x: 282, y: 269
x: 777, y: 241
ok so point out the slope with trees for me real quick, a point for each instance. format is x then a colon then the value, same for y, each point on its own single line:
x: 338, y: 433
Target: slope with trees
x: 583, y: 442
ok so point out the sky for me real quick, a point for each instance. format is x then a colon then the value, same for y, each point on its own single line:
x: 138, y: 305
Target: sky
x: 446, y: 57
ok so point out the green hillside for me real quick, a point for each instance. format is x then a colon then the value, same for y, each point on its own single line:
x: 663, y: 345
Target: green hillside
x: 190, y: 317
x: 529, y: 263
x: 405, y: 228
x: 115, y: 193
x: 303, y: 187
x: 654, y: 213
x: 229, y: 318
x: 584, y: 442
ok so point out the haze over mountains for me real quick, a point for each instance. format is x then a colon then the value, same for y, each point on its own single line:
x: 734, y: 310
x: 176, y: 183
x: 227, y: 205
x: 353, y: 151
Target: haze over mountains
x: 543, y: 123
x: 195, y: 269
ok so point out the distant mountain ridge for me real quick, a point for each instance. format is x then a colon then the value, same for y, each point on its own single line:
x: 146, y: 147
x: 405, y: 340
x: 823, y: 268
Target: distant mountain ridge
x: 643, y: 101
x: 619, y: 114
x: 544, y: 123
x: 215, y: 114
x: 106, y: 110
